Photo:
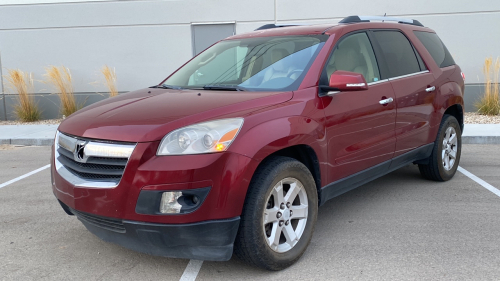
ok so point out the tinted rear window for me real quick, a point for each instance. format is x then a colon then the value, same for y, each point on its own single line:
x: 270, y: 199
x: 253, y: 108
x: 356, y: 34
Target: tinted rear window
x: 436, y: 48
x: 398, y: 52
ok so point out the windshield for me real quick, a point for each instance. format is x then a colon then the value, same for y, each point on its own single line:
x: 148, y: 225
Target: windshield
x: 256, y: 64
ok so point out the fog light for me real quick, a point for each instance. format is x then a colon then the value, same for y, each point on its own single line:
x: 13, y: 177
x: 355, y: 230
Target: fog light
x: 162, y: 202
x: 169, y: 204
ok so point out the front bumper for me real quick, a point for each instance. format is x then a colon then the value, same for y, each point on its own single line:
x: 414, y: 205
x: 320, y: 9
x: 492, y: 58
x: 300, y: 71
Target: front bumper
x: 226, y: 174
x: 208, y: 240
x: 118, y: 214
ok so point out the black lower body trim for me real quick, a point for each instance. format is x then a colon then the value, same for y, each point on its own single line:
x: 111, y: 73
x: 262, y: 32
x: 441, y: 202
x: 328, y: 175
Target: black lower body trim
x: 346, y: 184
x: 209, y: 240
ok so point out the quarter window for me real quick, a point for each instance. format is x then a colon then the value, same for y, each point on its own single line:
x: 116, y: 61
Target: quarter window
x: 398, y: 53
x: 420, y: 61
x: 436, y: 48
x: 354, y: 54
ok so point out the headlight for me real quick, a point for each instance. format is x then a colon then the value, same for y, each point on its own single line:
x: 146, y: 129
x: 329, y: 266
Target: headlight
x: 207, y: 137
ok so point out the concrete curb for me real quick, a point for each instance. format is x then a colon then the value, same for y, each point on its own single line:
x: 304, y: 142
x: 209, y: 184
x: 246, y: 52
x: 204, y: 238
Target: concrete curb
x: 480, y: 140
x: 43, y: 135
x: 28, y: 142
x: 481, y: 134
x: 29, y: 135
x: 49, y: 142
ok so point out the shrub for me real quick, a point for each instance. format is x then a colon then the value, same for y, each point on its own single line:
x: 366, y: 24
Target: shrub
x: 489, y: 104
x: 21, y: 83
x: 110, y: 77
x: 60, y: 79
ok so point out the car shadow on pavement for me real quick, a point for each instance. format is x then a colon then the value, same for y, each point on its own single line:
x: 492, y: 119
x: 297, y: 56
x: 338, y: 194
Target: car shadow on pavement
x: 335, y: 218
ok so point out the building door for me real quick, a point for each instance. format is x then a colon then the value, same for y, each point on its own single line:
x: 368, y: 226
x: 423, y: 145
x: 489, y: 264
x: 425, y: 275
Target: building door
x: 204, y: 35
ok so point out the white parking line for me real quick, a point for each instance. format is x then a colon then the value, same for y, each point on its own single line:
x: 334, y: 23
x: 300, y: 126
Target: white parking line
x: 193, y: 267
x: 24, y: 176
x: 480, y: 181
x: 192, y: 270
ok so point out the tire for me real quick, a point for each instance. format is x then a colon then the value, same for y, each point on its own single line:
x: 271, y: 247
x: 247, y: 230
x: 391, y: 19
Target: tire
x: 253, y: 242
x: 447, y: 147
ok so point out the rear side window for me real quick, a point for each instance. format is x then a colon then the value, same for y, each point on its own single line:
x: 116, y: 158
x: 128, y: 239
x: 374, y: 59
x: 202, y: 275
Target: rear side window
x: 436, y: 48
x: 399, y: 55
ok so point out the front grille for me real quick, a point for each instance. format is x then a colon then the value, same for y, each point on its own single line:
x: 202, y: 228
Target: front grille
x: 90, y: 176
x: 93, y: 168
x: 114, y: 225
x: 89, y: 163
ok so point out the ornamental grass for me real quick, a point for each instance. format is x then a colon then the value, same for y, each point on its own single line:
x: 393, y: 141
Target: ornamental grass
x: 489, y: 104
x: 110, y: 80
x: 61, y: 81
x: 21, y: 83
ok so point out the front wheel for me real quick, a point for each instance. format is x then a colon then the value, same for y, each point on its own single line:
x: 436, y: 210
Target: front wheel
x: 443, y: 162
x: 279, y: 214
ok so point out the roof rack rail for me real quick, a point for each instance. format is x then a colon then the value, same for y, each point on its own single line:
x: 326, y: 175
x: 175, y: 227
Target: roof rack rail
x: 272, y: 25
x: 355, y: 19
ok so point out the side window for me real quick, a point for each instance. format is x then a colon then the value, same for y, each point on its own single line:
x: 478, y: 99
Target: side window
x: 354, y: 53
x: 398, y: 53
x: 436, y: 48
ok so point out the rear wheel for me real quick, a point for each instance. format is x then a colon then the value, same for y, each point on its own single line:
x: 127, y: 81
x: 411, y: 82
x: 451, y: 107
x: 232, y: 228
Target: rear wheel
x: 279, y: 214
x: 443, y: 162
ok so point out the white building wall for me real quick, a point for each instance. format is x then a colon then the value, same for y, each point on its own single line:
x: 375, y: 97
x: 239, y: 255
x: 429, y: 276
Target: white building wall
x: 143, y: 40
x: 147, y: 40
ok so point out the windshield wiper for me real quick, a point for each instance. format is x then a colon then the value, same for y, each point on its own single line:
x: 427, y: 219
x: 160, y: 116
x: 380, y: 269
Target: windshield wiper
x: 224, y: 87
x: 165, y: 86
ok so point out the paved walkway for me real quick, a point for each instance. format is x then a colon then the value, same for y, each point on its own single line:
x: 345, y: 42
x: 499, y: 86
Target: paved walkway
x: 28, y: 134
x: 481, y: 133
x: 44, y: 134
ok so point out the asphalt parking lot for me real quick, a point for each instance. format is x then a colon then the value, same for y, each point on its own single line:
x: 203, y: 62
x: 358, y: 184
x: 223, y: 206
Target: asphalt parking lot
x: 399, y: 227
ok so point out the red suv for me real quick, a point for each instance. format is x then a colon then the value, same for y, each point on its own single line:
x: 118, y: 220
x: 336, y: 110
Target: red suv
x: 240, y: 146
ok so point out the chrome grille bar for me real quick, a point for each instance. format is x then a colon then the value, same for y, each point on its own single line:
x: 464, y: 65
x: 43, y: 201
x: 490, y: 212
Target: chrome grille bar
x: 91, y: 164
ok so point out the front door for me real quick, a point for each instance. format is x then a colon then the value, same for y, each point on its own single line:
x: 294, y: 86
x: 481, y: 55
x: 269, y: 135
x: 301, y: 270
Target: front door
x: 360, y: 130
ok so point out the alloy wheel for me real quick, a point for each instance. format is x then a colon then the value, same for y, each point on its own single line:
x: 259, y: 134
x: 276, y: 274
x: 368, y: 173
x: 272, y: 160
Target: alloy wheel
x: 285, y: 215
x: 450, y: 148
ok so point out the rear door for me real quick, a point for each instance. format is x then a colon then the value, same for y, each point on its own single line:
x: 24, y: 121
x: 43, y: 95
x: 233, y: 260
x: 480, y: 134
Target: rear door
x: 360, y: 130
x: 413, y: 86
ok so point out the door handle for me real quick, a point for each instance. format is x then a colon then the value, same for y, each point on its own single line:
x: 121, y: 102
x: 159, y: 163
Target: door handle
x: 386, y: 101
x: 430, y: 89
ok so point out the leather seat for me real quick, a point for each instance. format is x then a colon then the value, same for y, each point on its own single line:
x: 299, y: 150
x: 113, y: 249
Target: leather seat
x: 347, y: 59
x: 279, y: 67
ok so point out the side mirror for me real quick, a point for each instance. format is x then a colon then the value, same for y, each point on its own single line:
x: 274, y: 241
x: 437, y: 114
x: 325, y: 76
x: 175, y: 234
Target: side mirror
x: 346, y: 81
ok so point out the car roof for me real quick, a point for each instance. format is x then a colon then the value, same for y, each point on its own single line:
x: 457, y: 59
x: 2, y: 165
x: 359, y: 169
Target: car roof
x: 285, y: 31
x: 327, y: 29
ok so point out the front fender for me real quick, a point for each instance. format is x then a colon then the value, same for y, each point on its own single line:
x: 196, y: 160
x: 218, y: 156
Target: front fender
x: 266, y: 138
x: 269, y: 137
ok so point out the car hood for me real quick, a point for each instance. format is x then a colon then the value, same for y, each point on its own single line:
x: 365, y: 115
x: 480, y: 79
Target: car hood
x: 148, y: 114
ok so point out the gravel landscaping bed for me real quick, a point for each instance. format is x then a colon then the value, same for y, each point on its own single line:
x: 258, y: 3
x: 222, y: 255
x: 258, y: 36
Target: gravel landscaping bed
x: 41, y: 122
x: 476, y: 118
